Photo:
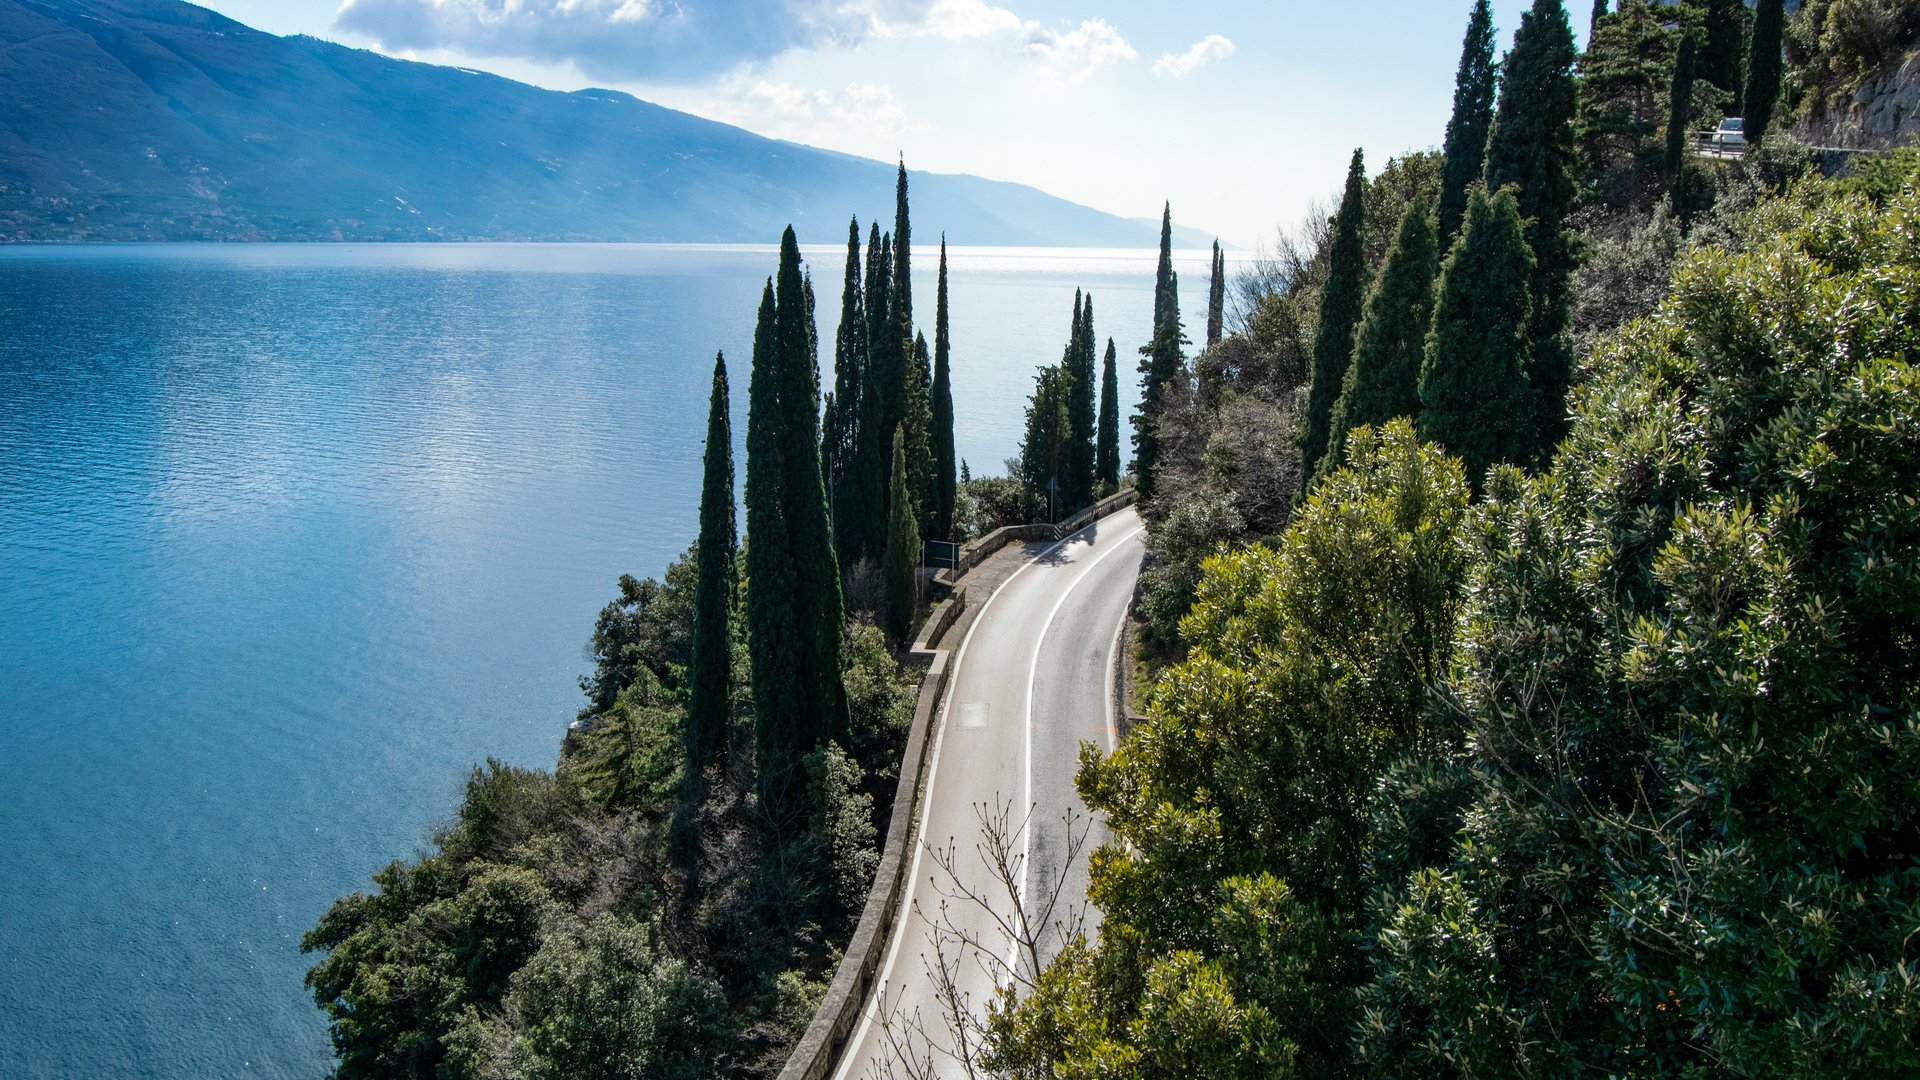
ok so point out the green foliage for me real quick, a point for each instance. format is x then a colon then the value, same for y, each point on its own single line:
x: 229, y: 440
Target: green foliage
x: 1342, y: 301
x: 1045, y: 451
x: 1106, y: 458
x: 918, y: 429
x: 880, y: 700
x: 945, y: 460
x: 1474, y: 86
x: 1217, y: 297
x: 842, y: 826
x: 986, y: 503
x: 1532, y: 147
x: 902, y: 563
x: 709, y: 682
x: 648, y: 628
x: 850, y: 488
x: 1839, y: 44
x: 603, y: 1005
x: 1082, y: 363
x: 1190, y: 533
x: 1723, y: 54
x: 1383, y: 381
x: 1162, y: 364
x: 1230, y: 941
x: 1625, y: 83
x: 1686, y: 63
x: 440, y: 937
x: 794, y: 612
x: 1627, y: 276
x: 632, y: 754
x: 1765, y: 64
x: 1475, y: 394
x: 1882, y: 177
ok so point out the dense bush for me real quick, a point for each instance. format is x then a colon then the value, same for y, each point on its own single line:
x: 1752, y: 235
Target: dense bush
x: 600, y: 921
x: 1617, y: 772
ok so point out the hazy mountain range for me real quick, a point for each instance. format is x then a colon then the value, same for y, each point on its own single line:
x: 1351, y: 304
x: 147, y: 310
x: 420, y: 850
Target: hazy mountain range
x: 158, y: 120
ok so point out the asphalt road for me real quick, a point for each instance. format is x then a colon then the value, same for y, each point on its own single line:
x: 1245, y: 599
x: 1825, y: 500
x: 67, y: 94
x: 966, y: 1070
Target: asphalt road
x: 1032, y: 680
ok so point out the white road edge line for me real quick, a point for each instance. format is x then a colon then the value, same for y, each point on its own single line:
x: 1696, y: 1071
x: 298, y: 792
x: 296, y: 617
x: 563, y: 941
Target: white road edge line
x: 859, y: 1035
x: 1113, y: 682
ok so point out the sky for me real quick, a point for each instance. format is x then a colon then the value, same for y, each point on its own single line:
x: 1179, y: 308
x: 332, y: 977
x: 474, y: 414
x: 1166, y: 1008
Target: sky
x: 1241, y: 114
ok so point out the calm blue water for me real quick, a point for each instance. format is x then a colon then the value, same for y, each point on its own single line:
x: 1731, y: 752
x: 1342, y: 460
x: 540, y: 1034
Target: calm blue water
x: 291, y: 536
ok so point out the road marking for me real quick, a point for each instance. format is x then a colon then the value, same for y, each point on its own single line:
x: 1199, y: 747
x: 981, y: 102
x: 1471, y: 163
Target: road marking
x: 1033, y: 677
x: 900, y: 924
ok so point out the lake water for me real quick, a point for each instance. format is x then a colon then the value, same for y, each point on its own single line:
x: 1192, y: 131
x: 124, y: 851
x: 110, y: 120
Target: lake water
x: 291, y: 536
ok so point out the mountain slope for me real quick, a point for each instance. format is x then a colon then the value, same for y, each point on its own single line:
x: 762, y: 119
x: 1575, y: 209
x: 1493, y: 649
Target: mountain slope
x: 158, y: 120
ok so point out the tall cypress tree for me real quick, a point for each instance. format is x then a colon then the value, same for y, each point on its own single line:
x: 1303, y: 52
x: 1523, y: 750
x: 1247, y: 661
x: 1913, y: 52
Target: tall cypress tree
x: 1723, y: 55
x: 794, y: 609
x: 1384, y: 379
x: 918, y: 421
x: 847, y: 485
x: 1532, y: 148
x: 1217, y: 297
x: 1764, y: 61
x: 1680, y: 104
x: 1077, y: 483
x: 944, y: 455
x: 1342, y: 301
x: 1473, y: 378
x: 1593, y: 23
x: 1466, y: 148
x: 882, y: 403
x: 1161, y: 362
x: 710, y: 670
x: 1106, y: 463
x: 902, y: 260
x: 902, y: 562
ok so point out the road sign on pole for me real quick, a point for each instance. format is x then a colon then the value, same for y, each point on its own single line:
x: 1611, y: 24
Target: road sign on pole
x: 941, y: 555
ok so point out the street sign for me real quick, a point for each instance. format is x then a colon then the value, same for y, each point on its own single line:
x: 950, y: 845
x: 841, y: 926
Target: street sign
x: 941, y: 555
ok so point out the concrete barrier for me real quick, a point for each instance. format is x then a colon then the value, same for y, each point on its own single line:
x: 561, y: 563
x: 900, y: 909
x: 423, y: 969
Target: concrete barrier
x: 819, y: 1048
x: 818, y: 1051
x: 984, y: 548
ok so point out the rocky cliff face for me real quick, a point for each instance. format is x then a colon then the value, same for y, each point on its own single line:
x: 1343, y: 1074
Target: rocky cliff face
x: 1883, y: 113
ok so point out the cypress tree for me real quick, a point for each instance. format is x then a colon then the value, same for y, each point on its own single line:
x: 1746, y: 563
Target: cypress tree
x: 1077, y: 483
x: 710, y: 670
x: 794, y: 610
x: 1532, y: 148
x: 1217, y: 297
x: 902, y: 562
x: 1763, y: 69
x: 1161, y: 360
x: 1384, y: 379
x: 1680, y: 105
x: 918, y: 419
x: 1106, y: 466
x: 1473, y: 379
x: 1341, y: 304
x: 840, y: 442
x: 902, y: 268
x: 882, y: 403
x: 1593, y: 23
x: 1466, y: 148
x: 944, y: 487
x: 1723, y: 56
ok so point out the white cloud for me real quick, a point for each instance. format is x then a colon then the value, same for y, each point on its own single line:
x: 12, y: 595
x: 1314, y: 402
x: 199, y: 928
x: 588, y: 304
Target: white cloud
x: 1203, y: 53
x: 1092, y: 44
x: 857, y: 111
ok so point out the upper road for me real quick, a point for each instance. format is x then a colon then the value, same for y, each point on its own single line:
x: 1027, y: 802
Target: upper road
x: 1032, y: 680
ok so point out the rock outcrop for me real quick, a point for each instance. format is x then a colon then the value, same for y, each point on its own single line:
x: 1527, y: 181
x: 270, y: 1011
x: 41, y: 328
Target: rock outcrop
x: 1882, y: 114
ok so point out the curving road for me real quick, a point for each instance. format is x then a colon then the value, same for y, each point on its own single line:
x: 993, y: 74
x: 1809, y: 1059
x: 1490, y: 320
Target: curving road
x: 1032, y: 679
